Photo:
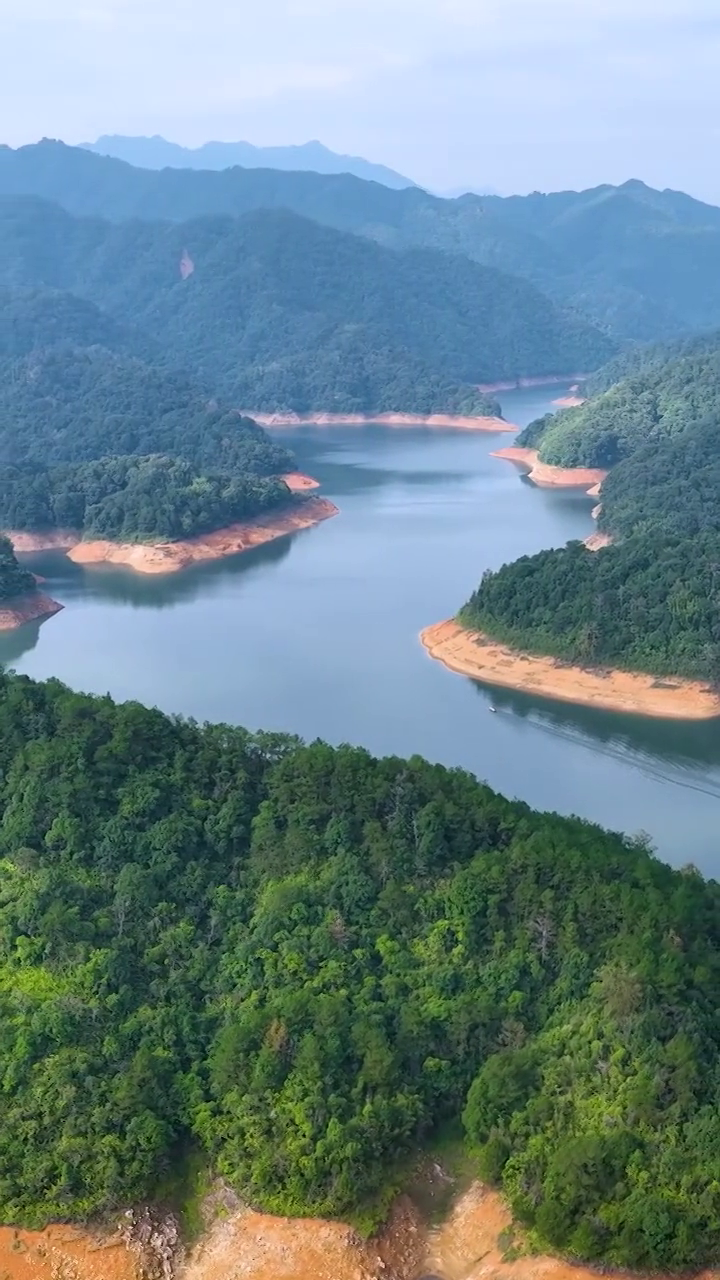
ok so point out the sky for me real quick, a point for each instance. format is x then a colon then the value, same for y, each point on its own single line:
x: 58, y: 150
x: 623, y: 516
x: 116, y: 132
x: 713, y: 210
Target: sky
x: 517, y: 95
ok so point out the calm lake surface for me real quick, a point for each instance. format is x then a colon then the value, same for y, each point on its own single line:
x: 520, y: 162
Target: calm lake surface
x: 317, y: 634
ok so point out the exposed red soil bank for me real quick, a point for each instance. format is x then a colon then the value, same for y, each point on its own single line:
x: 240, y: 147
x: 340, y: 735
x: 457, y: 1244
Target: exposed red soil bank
x: 470, y: 653
x: 548, y: 477
x: 52, y: 540
x: 596, y: 541
x: 30, y: 608
x: 569, y: 402
x: 64, y: 1253
x: 298, y: 483
x: 379, y: 419
x: 169, y: 557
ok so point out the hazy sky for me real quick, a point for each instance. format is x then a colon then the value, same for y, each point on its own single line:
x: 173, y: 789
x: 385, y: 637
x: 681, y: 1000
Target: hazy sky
x: 514, y: 94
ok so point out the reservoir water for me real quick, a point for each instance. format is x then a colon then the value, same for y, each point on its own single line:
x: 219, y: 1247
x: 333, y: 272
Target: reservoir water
x: 317, y: 634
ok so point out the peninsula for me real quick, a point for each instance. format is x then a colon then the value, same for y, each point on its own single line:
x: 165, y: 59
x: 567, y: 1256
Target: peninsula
x: 154, y: 514
x: 472, y: 653
x: 546, y: 476
x: 169, y: 557
x: 20, y: 600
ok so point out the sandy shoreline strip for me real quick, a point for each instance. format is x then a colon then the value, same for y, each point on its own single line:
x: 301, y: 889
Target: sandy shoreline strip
x: 30, y: 608
x: 299, y: 483
x: 548, y: 477
x: 569, y: 402
x: 169, y: 557
x: 470, y: 653
x: 456, y: 421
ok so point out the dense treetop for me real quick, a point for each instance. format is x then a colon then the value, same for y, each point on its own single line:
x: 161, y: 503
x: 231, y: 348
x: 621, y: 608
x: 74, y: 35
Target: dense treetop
x: 651, y: 603
x: 14, y: 581
x: 299, y: 960
x: 672, y: 486
x: 273, y: 311
x: 70, y: 404
x: 132, y: 499
x: 642, y: 263
x: 657, y: 403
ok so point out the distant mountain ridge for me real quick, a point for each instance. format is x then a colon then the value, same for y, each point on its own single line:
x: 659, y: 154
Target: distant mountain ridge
x: 158, y: 153
x: 642, y: 264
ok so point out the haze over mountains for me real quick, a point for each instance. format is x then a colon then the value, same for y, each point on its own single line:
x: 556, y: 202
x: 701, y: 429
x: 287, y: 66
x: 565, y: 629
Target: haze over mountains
x: 158, y: 153
x: 641, y: 263
x: 276, y: 312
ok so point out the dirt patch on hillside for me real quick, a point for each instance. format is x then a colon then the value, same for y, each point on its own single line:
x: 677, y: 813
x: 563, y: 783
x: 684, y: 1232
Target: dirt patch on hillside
x: 65, y: 1253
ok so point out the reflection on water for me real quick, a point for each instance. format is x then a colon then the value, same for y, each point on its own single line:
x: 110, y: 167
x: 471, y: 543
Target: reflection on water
x: 646, y: 744
x: 317, y: 633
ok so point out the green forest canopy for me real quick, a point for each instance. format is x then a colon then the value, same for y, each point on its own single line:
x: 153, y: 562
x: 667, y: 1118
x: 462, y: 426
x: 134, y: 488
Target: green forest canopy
x: 275, y: 312
x: 14, y: 581
x: 73, y: 404
x: 300, y: 960
x: 642, y: 264
x: 135, y: 499
x: 656, y: 403
x: 651, y: 601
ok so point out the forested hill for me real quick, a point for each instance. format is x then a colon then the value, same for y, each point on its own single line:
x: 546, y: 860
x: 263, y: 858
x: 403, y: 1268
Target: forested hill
x: 667, y: 394
x: 73, y: 404
x: 640, y: 262
x: 35, y: 319
x: 650, y: 601
x: 136, y: 499
x: 276, y: 312
x: 14, y: 581
x: 290, y: 964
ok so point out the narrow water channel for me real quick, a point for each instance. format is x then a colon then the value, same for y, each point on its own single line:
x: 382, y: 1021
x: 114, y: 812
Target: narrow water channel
x: 317, y: 634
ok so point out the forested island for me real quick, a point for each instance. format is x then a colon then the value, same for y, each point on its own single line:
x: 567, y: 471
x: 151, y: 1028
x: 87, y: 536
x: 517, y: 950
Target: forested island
x: 649, y: 602
x: 291, y: 964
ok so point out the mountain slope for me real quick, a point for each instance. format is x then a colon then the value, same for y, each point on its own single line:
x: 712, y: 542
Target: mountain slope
x: 658, y: 402
x: 274, y: 311
x: 158, y: 153
x: 643, y: 263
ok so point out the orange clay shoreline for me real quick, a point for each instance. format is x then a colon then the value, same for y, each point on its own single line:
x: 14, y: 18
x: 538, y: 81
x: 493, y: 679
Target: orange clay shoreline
x: 169, y: 557
x: 569, y: 402
x: 548, y: 477
x: 380, y: 419
x: 471, y: 653
x: 242, y: 1244
x: 34, y: 607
